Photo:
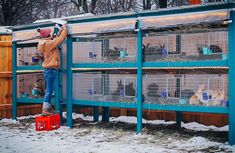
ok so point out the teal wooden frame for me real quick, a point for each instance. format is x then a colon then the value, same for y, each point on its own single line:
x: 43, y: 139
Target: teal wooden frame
x: 30, y: 70
x: 231, y: 76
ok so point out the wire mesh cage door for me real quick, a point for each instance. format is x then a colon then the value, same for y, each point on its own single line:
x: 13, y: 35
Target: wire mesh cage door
x: 97, y: 86
x: 87, y: 50
x: 186, y: 89
x: 30, y: 85
x: 130, y: 87
x: 205, y: 46
x: 158, y: 47
x: 121, y: 48
x: 187, y: 44
x: 107, y: 48
x: 173, y: 87
x: 28, y: 56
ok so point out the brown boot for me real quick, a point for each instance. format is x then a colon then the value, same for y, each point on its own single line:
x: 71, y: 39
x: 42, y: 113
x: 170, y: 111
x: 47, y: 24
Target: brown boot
x: 47, y: 112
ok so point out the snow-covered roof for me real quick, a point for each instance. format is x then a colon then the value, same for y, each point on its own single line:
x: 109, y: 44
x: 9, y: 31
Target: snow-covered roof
x: 4, y: 30
x: 65, y: 18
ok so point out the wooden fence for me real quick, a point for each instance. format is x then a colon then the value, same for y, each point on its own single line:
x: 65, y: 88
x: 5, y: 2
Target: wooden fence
x: 6, y: 82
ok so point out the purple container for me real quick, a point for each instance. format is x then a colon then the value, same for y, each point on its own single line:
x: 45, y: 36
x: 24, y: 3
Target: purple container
x: 205, y: 96
x: 34, y: 59
x: 224, y: 103
x: 90, y: 92
x: 122, y: 92
x: 91, y: 55
x: 164, y: 52
x: 163, y: 94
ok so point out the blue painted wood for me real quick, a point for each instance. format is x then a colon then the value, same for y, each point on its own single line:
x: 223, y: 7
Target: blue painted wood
x: 105, y: 103
x: 57, y: 93
x: 29, y: 68
x: 14, y: 82
x: 231, y: 78
x: 186, y: 108
x: 69, y: 83
x: 105, y: 114
x: 178, y: 118
x: 33, y: 100
x: 58, y: 87
x: 96, y: 114
x: 105, y: 65
x: 218, y: 63
x: 139, y: 78
x: 26, y: 45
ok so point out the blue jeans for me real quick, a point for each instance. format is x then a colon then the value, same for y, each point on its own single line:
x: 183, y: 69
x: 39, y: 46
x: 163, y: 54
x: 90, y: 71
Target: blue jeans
x: 50, y: 75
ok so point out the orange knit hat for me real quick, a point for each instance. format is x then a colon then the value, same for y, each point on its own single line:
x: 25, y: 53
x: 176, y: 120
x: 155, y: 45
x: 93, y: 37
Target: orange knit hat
x: 44, y: 33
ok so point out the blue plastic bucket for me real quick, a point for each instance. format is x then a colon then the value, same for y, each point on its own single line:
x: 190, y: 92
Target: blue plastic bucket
x: 123, y: 53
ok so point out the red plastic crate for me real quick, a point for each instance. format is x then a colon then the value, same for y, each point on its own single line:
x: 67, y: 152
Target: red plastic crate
x: 47, y: 123
x: 194, y: 2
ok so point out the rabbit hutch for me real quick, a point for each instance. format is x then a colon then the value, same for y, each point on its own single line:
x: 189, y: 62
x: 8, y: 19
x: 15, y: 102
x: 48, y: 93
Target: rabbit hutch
x: 175, y: 59
x: 101, y: 62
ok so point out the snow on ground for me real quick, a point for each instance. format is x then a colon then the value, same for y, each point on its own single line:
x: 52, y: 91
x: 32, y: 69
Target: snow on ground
x: 117, y: 136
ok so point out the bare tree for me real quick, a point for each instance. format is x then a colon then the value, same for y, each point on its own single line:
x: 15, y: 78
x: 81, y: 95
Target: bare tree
x: 114, y: 6
x: 81, y: 5
x: 93, y: 6
x: 146, y: 4
x: 19, y: 11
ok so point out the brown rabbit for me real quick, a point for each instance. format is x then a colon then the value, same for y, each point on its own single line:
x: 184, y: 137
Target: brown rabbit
x: 195, y: 99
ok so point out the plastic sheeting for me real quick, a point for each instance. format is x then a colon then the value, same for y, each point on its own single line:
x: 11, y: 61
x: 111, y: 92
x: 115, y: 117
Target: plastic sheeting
x: 103, y: 26
x: 4, y: 30
x: 27, y: 35
x: 129, y: 24
x: 155, y: 22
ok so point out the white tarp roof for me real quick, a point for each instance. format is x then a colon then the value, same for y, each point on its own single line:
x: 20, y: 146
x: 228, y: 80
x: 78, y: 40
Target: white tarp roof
x: 103, y: 26
x: 26, y: 35
x: 31, y: 35
x: 183, y: 19
x: 148, y: 22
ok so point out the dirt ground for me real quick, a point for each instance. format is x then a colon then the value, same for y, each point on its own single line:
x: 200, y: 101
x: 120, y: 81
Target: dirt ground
x: 166, y: 136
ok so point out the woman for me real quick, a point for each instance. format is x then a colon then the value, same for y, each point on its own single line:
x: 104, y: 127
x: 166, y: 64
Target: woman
x: 49, y: 47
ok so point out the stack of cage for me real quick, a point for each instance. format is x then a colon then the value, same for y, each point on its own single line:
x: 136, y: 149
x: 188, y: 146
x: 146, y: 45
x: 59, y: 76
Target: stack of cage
x: 186, y: 45
x: 105, y: 84
x: 30, y: 84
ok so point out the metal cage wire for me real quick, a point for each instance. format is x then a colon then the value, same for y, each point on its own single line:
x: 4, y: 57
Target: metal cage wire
x: 104, y: 87
x: 187, y: 89
x: 185, y: 47
x: 106, y: 48
x: 28, y: 56
x: 30, y: 85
